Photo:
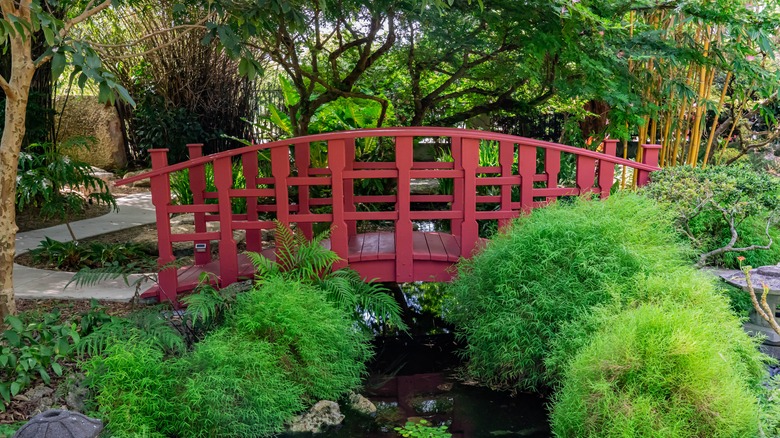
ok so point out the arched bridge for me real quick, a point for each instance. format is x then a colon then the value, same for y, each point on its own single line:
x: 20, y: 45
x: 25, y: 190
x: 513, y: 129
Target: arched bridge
x: 380, y: 226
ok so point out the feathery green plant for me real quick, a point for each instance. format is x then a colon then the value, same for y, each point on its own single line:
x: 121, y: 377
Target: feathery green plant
x: 549, y: 267
x: 150, y: 324
x: 308, y: 261
x: 659, y: 370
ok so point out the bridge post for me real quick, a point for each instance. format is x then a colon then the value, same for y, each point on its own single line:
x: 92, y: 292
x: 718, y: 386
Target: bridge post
x: 469, y: 230
x: 197, y: 176
x: 228, y: 254
x: 586, y: 173
x: 349, y: 185
x: 650, y: 157
x: 404, y: 246
x: 302, y: 163
x: 607, y: 168
x: 167, y: 279
x: 340, y: 234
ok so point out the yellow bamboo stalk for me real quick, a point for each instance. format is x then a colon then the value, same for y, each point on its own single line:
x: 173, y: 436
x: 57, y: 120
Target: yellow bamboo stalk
x: 695, y: 129
x: 715, y: 120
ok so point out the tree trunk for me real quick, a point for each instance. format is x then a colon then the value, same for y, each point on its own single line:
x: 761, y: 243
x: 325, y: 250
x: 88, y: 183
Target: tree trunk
x: 22, y: 70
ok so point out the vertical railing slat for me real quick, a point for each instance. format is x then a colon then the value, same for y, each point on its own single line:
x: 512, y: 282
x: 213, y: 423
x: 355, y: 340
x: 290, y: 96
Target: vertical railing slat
x: 280, y: 170
x: 349, y: 186
x: 526, y: 162
x: 607, y: 168
x: 506, y: 158
x: 457, y: 184
x: 586, y: 173
x: 197, y: 177
x: 251, y: 171
x: 302, y: 163
x: 650, y: 157
x: 469, y: 230
x: 228, y: 254
x: 339, y: 238
x: 404, y: 158
x: 167, y: 279
x: 552, y: 167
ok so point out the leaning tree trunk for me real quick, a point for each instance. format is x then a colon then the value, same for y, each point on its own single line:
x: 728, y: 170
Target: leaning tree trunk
x: 17, y: 94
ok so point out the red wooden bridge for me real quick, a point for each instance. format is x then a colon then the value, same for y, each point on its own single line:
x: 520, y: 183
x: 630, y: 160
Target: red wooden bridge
x: 283, y: 177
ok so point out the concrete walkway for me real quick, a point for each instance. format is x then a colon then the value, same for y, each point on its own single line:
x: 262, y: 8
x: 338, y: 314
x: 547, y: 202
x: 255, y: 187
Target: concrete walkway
x: 31, y: 283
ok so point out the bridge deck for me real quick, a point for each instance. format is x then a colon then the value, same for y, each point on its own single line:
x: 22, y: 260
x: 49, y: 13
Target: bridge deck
x: 371, y: 254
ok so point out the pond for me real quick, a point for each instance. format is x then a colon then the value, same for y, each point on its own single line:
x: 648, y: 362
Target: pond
x: 415, y: 376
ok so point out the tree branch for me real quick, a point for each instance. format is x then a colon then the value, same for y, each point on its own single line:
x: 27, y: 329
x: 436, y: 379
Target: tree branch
x: 89, y: 11
x: 9, y: 91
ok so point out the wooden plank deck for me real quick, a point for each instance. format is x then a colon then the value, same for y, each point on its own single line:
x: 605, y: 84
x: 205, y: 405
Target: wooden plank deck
x: 371, y: 254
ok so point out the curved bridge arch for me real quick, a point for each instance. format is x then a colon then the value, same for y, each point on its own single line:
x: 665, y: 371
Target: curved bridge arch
x: 279, y: 177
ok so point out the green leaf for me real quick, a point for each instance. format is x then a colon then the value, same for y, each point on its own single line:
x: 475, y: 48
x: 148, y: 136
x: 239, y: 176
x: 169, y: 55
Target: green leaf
x: 13, y: 338
x: 5, y: 392
x: 48, y: 34
x: 58, y: 62
x: 57, y: 368
x: 15, y: 388
x: 15, y: 322
x: 45, y: 376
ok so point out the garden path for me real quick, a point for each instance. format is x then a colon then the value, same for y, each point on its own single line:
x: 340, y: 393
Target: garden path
x: 31, y: 283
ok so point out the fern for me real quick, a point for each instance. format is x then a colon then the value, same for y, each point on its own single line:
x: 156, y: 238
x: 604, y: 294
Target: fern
x: 308, y: 261
x: 207, y: 306
x: 149, y: 324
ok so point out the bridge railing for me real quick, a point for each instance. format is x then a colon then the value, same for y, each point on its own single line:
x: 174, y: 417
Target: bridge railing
x: 527, y: 175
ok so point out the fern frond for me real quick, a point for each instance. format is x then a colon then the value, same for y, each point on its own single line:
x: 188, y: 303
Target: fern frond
x: 91, y: 276
x: 264, y: 267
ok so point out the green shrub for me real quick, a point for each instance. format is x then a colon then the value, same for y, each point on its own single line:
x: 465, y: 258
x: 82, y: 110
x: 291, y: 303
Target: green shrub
x: 683, y: 287
x: 319, y: 345
x: 713, y: 203
x: 234, y: 386
x: 658, y: 371
x: 132, y: 387
x: 549, y: 267
x: 282, y: 348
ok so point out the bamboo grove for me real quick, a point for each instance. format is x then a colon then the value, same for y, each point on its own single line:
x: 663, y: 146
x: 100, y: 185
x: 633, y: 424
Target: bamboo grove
x: 704, y: 80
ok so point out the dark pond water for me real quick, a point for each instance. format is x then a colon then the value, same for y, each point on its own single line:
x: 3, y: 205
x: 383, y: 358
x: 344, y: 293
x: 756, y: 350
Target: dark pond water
x: 415, y: 376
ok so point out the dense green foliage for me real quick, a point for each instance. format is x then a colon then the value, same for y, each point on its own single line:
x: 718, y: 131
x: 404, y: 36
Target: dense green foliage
x: 281, y: 348
x: 72, y: 256
x: 726, y: 211
x: 31, y: 347
x: 659, y: 371
x: 509, y: 300
x: 422, y: 429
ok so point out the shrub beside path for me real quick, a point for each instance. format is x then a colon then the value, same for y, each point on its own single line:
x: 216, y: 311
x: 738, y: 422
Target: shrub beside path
x: 32, y: 283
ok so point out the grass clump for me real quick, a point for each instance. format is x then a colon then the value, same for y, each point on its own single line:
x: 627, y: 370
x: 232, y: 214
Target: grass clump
x: 550, y: 267
x: 658, y: 370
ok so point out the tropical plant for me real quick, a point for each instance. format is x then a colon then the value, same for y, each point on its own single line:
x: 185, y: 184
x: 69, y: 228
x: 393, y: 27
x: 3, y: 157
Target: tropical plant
x: 549, y: 267
x: 30, y: 348
x: 52, y: 181
x: 308, y: 261
x: 713, y: 204
x: 157, y: 330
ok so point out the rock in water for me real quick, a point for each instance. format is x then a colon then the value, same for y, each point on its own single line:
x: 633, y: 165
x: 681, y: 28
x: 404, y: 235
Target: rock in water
x: 362, y: 404
x: 323, y: 414
x: 56, y: 424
